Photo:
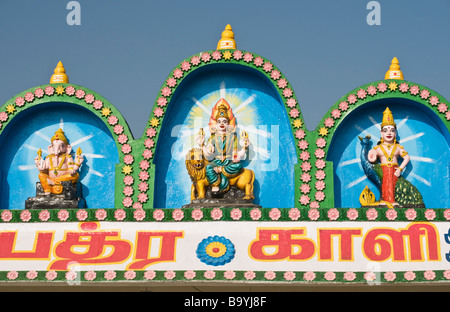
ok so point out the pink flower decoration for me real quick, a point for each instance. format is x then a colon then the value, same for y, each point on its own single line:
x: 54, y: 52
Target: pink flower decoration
x: 12, y: 275
x: 370, y: 276
x: 274, y: 214
x: 128, y: 180
x: 267, y: 67
x: 249, y: 275
x: 147, y: 154
x: 237, y: 55
x: 429, y: 275
x: 361, y: 94
x: 320, y: 196
x: 282, y: 83
x: 248, y: 57
x: 128, y: 190
x: 143, y: 176
x: 306, y: 166
x: 158, y: 214
x: 97, y: 104
x: 236, y: 214
x: 287, y: 93
x: 51, y: 275
x: 101, y: 214
x: 149, y: 275
x: 166, y: 91
x: 19, y: 101
x: 129, y: 275
x: 210, y: 274
x: 216, y: 214
x: 294, y: 113
x: 442, y: 108
x: 44, y: 215
x: 352, y: 99
x: 294, y: 214
x: 314, y: 204
x: 128, y: 159
x: 137, y: 205
x: 390, y: 276
x: 177, y: 214
x: 403, y: 87
x: 270, y: 275
x: 382, y: 87
x: 63, y: 215
x: 216, y: 55
x: 313, y: 214
x: 139, y: 214
x: 112, y: 120
x: 149, y: 143
x: 391, y: 214
x: 372, y: 214
x: 320, y: 185
x: 151, y: 132
x: 89, y: 98
x: 333, y: 214
x: 126, y: 148
x: 143, y: 187
x: 185, y: 66
x: 275, y: 75
x: 414, y: 90
x: 409, y: 275
x: 206, y: 57
x: 352, y: 214
x: 258, y: 61
x: 255, y: 214
x: 447, y: 115
x: 321, y: 142
x: 446, y: 274
x: 303, y: 145
x: 329, y: 122
x: 195, y: 60
x: 309, y: 276
x: 335, y: 113
x: 343, y: 106
x: 349, y: 276
x: 82, y: 214
x: 424, y: 94
x: 31, y: 275
x: 197, y: 214
x: 162, y: 101
x: 306, y: 177
x: 430, y: 214
x: 320, y: 164
x: 372, y: 90
x: 25, y: 216
x: 189, y: 274
x: 319, y: 153
x: 6, y: 215
x: 178, y: 73
x: 158, y: 112
x: 109, y: 275
x: 144, y: 165
x: 411, y: 214
x: 39, y: 93
x: 29, y: 97
x: 127, y: 202
x: 330, y: 276
x: 90, y: 275
x: 118, y: 129
x: 49, y: 90
x: 300, y: 134
x: 80, y: 94
x: 289, y: 275
x: 171, y: 82
x: 120, y: 214
x: 142, y: 197
x: 320, y: 175
x: 291, y: 102
x: 304, y: 155
x: 304, y: 200
x: 229, y: 275
x: 447, y: 214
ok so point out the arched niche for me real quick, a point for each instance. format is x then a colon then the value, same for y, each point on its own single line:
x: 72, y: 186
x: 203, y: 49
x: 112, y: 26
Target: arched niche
x: 420, y: 130
x: 258, y: 109
x: 32, y: 129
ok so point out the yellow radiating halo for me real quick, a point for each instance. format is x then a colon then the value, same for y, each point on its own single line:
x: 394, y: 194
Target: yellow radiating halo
x: 216, y: 249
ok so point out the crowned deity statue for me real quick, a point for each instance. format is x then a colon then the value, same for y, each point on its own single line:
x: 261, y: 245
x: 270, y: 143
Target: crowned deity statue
x: 381, y: 164
x: 59, y: 166
x: 216, y: 163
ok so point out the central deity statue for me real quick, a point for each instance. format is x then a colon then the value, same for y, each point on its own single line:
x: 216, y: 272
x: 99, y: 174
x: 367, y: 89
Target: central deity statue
x: 216, y: 164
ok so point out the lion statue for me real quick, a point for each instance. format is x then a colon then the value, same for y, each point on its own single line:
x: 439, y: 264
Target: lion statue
x: 196, y: 167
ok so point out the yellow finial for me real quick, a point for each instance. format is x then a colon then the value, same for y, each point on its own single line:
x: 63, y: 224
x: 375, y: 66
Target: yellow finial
x: 59, y: 75
x: 394, y: 71
x: 227, y: 41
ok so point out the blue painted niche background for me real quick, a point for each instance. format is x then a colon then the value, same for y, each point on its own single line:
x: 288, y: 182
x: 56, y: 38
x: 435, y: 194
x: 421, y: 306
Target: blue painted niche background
x: 419, y: 130
x: 32, y: 129
x: 258, y: 109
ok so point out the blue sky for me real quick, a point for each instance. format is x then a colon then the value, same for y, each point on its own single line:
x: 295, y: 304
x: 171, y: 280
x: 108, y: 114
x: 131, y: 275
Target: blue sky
x: 124, y: 50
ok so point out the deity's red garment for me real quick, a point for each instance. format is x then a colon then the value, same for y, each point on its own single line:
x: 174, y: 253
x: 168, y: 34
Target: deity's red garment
x: 389, y: 181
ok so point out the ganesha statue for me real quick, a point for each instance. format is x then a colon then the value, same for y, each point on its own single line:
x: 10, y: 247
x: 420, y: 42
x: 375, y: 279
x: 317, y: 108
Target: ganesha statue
x: 215, y: 166
x: 58, y: 174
